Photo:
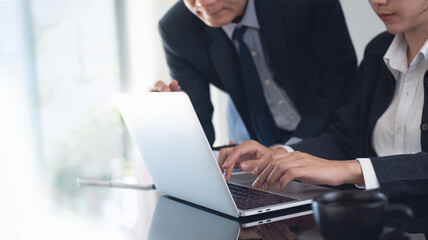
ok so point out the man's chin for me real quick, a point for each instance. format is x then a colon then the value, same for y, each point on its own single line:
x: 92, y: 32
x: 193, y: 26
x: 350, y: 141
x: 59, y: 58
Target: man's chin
x: 215, y: 24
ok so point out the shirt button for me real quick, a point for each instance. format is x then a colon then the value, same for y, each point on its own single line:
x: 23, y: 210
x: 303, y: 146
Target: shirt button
x: 424, y: 127
x: 292, y: 117
x: 267, y: 81
x: 280, y: 102
x: 254, y: 53
x: 398, y: 130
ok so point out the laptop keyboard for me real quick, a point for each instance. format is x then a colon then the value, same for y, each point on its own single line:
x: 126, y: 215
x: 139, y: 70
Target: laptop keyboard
x: 249, y: 198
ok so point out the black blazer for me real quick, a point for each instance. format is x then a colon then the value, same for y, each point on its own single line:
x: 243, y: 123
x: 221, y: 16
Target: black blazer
x: 308, y: 48
x: 350, y: 136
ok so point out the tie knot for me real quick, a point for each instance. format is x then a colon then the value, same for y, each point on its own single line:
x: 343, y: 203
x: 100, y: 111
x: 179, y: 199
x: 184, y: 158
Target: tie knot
x: 238, y: 34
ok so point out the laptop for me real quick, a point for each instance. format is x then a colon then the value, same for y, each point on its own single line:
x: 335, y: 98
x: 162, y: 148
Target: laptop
x: 168, y: 222
x: 178, y: 156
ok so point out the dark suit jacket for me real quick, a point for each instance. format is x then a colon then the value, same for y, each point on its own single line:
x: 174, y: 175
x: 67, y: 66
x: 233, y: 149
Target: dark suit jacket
x: 350, y: 136
x: 308, y: 48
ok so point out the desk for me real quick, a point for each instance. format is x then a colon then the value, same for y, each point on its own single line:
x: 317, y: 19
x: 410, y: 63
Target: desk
x: 160, y: 217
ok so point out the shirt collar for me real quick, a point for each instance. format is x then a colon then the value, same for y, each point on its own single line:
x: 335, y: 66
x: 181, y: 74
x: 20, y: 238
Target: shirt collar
x: 424, y: 52
x: 396, y: 56
x: 249, y: 19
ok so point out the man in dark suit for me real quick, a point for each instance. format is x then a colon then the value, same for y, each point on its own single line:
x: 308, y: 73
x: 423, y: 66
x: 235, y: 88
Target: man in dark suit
x: 286, y: 72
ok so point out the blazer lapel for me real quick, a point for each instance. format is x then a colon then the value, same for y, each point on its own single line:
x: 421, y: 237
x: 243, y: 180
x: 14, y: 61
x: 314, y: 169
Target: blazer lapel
x: 273, y: 32
x: 424, y: 121
x: 382, y: 97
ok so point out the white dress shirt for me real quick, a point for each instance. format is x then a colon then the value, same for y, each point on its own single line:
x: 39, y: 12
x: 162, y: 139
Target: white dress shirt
x: 283, y: 111
x: 398, y: 130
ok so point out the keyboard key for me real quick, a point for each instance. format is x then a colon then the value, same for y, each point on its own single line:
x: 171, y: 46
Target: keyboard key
x: 249, y: 198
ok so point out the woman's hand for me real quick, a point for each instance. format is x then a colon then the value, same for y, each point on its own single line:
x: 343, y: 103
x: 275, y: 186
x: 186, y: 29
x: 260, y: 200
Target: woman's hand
x: 277, y: 166
x: 282, y: 167
x: 248, y: 155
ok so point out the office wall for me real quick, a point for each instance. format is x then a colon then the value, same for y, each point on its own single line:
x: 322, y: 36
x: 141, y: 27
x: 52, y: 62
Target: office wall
x: 362, y: 22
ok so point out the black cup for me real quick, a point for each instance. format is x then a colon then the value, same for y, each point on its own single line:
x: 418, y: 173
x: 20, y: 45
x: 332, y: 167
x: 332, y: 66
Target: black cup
x: 356, y: 215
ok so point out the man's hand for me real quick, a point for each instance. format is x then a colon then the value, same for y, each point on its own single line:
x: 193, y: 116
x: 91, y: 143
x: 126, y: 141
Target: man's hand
x: 163, y: 87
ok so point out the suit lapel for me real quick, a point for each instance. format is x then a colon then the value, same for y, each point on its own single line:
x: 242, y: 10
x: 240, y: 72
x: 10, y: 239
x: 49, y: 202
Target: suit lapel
x: 383, y: 93
x: 424, y: 121
x: 273, y: 32
x: 382, y: 97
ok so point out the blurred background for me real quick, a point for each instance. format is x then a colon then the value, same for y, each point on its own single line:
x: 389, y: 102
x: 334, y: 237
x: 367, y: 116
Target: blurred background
x: 61, y: 64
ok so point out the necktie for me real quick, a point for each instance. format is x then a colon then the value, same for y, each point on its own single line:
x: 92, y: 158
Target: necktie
x: 261, y: 118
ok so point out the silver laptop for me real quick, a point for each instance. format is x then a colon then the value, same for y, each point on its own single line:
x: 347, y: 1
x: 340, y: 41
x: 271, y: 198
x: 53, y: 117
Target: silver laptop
x: 177, y: 154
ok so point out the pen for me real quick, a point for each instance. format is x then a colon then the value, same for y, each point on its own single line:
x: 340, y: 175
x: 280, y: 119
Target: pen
x: 223, y: 146
x: 97, y: 183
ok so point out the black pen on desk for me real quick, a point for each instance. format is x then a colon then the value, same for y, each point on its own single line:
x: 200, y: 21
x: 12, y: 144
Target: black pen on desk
x: 223, y: 146
x: 96, y: 183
